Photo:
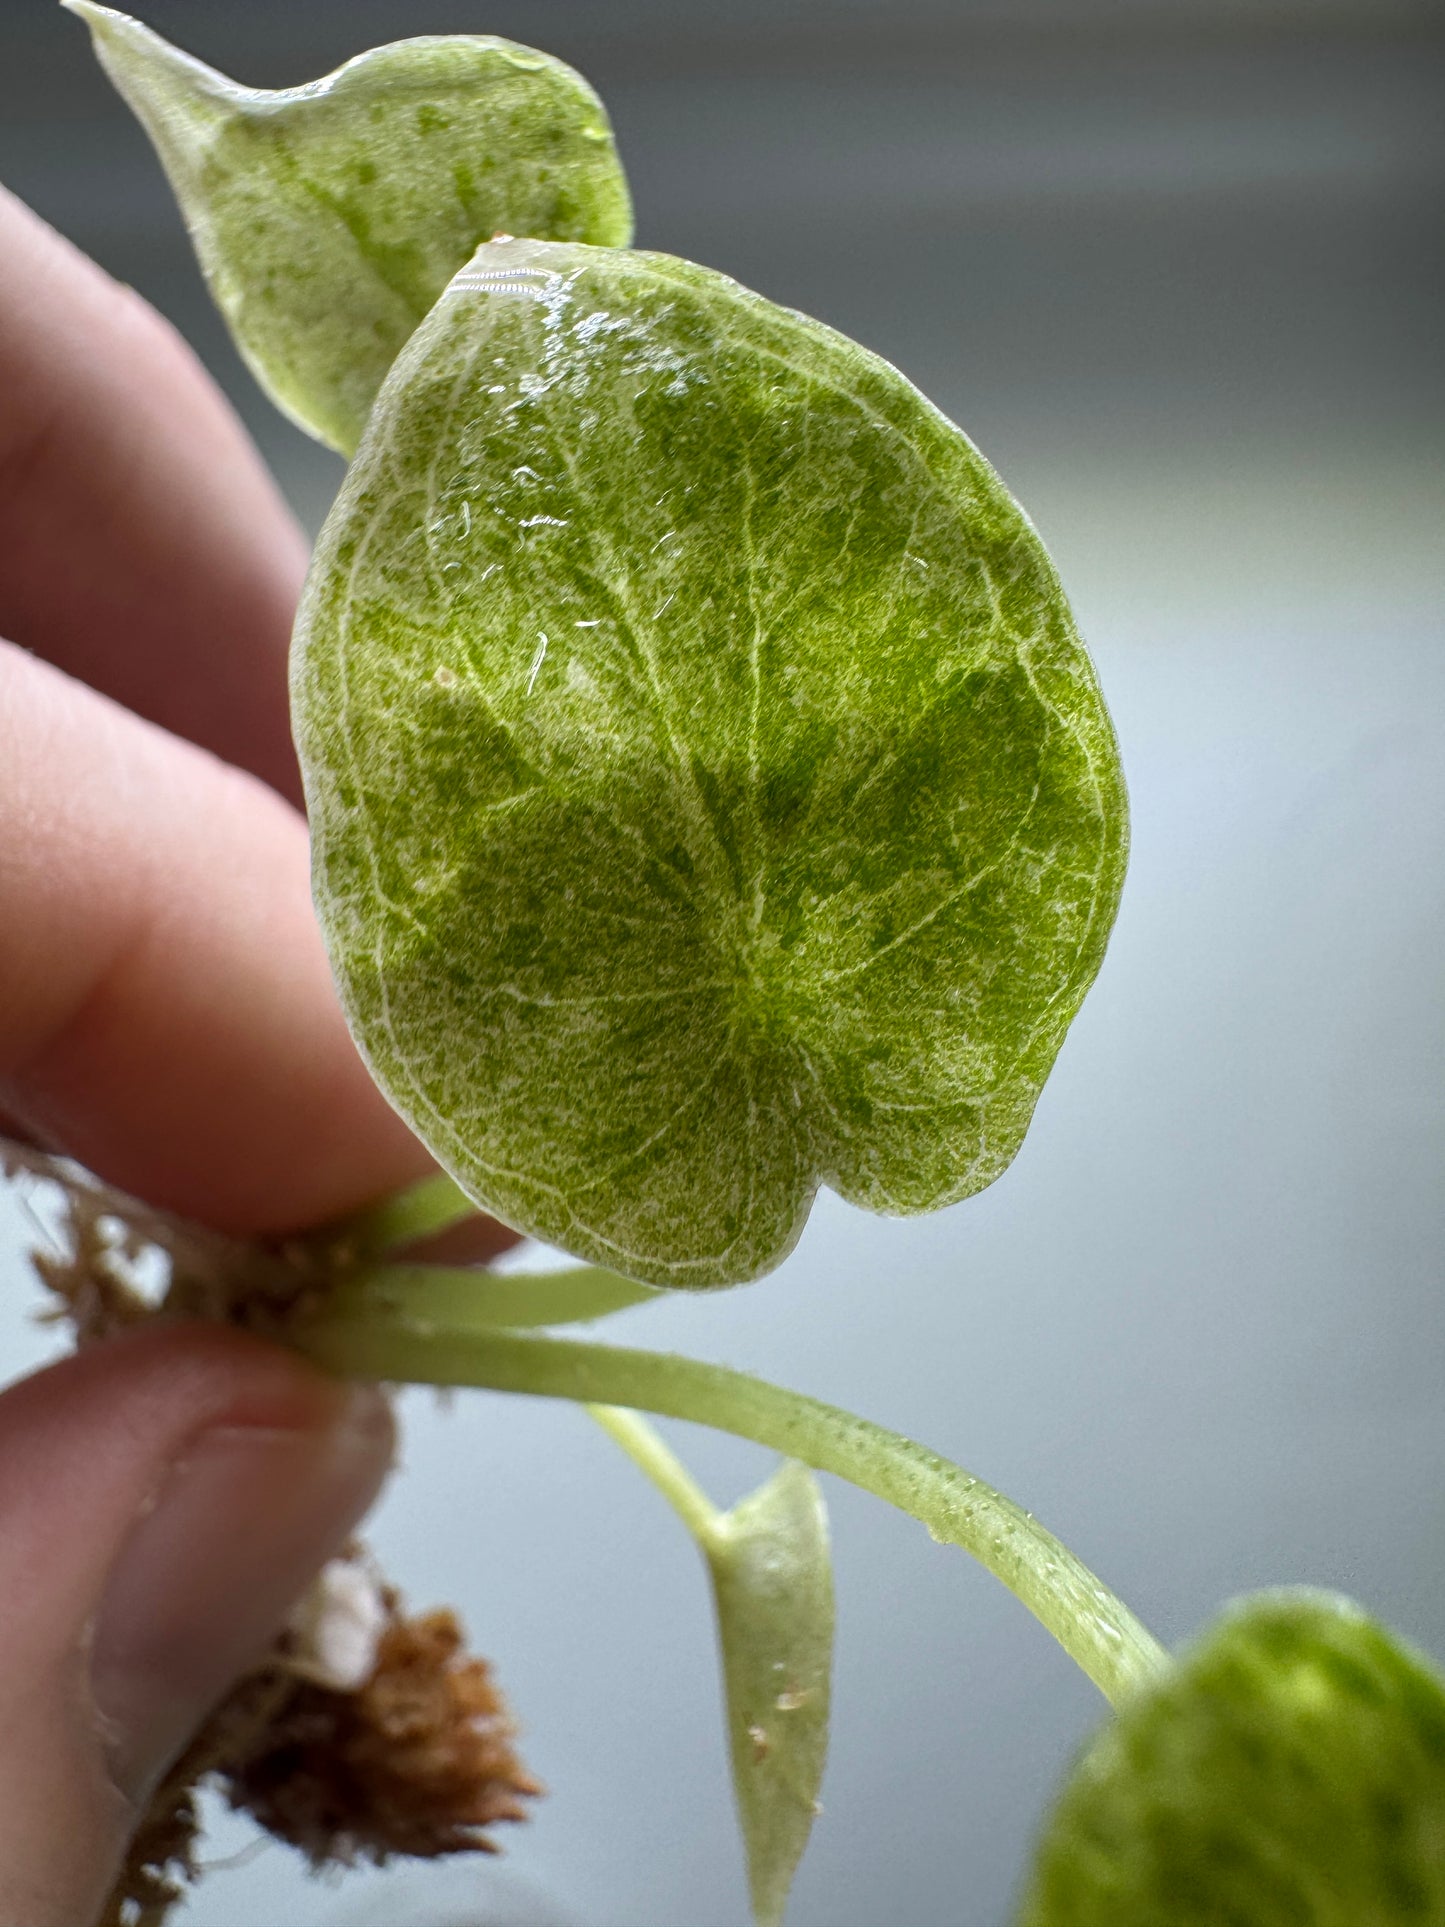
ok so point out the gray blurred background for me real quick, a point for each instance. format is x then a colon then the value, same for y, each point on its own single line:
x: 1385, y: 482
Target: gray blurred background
x: 1178, y: 270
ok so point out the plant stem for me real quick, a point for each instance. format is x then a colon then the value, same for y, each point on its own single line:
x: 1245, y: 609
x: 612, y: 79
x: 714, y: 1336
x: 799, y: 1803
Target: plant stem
x: 422, y: 1210
x: 1092, y: 1626
x: 652, y: 1455
x: 473, y: 1297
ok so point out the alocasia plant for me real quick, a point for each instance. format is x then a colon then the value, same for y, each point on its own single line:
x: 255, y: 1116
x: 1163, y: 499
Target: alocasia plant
x: 712, y: 800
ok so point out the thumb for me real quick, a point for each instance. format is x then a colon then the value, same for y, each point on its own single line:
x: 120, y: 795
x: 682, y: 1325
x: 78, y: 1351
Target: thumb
x: 165, y: 1497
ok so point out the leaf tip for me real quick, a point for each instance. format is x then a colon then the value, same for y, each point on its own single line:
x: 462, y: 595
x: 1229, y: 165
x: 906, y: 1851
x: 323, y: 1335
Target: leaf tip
x: 107, y: 23
x: 151, y: 75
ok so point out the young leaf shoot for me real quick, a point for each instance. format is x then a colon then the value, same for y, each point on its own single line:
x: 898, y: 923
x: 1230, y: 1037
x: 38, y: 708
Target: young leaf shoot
x: 772, y: 1578
x: 1289, y: 1770
x: 711, y: 797
x: 329, y: 217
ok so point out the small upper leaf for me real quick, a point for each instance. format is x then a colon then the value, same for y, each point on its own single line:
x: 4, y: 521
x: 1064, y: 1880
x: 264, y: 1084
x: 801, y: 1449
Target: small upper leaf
x: 1290, y: 1772
x: 710, y: 793
x: 329, y: 217
x: 772, y: 1576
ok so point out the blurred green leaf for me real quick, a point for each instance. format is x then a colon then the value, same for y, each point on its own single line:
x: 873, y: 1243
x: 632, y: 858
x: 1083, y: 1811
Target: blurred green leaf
x: 329, y: 217
x: 1288, y: 1772
x: 772, y: 1577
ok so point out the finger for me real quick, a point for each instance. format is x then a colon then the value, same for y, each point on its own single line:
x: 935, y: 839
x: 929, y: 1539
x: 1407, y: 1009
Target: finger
x: 164, y: 1500
x: 166, y: 1007
x: 143, y: 547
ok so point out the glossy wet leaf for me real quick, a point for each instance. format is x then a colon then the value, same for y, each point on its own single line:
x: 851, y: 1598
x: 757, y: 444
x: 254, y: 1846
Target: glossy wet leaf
x: 772, y: 1577
x: 711, y: 795
x: 1289, y: 1772
x: 329, y: 217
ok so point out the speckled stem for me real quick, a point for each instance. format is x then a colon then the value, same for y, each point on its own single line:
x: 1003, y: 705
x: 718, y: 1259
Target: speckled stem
x: 1096, y: 1630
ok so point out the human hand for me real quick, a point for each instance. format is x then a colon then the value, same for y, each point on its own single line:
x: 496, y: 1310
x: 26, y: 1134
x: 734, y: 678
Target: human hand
x: 166, y: 1017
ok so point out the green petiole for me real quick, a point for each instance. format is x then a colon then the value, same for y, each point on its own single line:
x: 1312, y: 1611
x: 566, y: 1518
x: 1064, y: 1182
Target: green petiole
x: 427, y: 1341
x: 421, y: 1211
x: 518, y: 1300
x: 656, y: 1460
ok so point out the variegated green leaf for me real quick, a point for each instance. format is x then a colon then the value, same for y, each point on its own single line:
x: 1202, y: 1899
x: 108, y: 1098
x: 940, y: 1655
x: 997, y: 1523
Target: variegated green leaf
x: 711, y: 795
x: 329, y: 217
x: 1290, y: 1772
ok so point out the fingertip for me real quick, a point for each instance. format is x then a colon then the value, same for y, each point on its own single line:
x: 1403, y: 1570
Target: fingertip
x: 167, y: 1012
x: 179, y: 599
x: 238, y: 1526
x: 164, y: 1498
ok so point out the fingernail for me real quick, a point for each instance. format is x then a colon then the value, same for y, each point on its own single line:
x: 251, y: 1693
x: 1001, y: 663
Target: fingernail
x: 238, y: 1527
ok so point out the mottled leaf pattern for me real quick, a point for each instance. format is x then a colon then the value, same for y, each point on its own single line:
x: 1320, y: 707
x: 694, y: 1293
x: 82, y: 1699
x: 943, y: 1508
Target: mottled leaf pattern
x: 711, y: 795
x: 1290, y: 1772
x: 329, y: 217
